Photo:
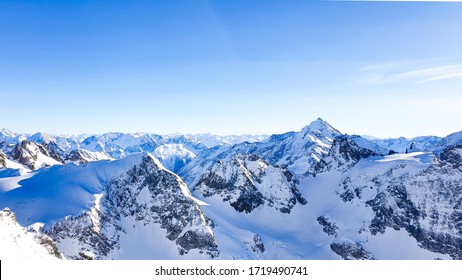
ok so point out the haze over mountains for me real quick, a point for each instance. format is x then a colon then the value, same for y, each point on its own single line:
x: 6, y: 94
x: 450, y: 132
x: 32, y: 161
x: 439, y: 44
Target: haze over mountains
x: 312, y: 194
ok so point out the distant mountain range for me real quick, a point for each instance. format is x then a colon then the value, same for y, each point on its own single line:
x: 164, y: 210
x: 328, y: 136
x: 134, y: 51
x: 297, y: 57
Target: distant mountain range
x: 312, y: 194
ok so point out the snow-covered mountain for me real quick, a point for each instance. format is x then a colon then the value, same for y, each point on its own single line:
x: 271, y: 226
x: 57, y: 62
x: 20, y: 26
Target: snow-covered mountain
x: 415, y: 193
x: 345, y: 152
x: 401, y: 145
x: 174, y: 151
x: 299, y: 152
x: 34, y: 155
x: 312, y: 194
x: 452, y: 140
x: 131, y: 208
x: 18, y: 243
x: 247, y: 182
x: 210, y: 140
x: 174, y: 156
x: 80, y: 156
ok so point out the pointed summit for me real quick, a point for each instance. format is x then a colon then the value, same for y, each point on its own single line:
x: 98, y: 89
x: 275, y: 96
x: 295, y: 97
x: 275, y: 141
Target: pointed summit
x: 7, y: 132
x: 9, y: 136
x: 320, y: 126
x: 41, y: 138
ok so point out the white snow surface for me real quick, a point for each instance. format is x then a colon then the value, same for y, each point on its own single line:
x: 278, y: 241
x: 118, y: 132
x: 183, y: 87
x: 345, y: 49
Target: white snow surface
x: 171, y: 155
x: 51, y: 195
x: 70, y: 189
x: 298, y: 235
x: 364, y: 143
x: 211, y: 140
x: 400, y: 145
x: 453, y: 139
x: 18, y: 244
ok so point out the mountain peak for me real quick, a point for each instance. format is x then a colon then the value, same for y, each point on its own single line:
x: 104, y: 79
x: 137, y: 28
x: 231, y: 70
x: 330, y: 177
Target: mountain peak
x: 320, y: 125
x: 41, y: 138
x: 7, y: 132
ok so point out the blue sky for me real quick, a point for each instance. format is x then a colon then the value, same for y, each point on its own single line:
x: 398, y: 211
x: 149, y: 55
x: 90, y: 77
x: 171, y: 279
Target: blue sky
x: 231, y: 67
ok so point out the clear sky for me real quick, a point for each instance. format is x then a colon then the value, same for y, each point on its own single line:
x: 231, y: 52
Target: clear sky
x: 230, y: 67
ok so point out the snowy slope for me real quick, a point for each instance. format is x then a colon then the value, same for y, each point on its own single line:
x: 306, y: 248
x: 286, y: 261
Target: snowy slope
x: 7, y: 137
x: 345, y: 216
x: 173, y: 156
x: 131, y: 208
x: 330, y: 225
x: 451, y: 140
x: 17, y: 243
x: 6, y: 163
x: 400, y: 145
x: 408, y: 196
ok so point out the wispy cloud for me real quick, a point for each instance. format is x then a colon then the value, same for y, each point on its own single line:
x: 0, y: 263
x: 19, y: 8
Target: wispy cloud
x: 376, y: 74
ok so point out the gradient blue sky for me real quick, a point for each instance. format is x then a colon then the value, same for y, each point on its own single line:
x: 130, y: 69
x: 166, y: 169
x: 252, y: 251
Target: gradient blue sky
x: 230, y: 67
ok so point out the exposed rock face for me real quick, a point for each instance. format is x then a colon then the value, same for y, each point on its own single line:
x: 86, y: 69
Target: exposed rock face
x: 34, y: 155
x: 412, y: 148
x: 452, y: 156
x: 344, y: 154
x: 3, y: 159
x: 80, y: 156
x: 146, y: 195
x: 76, y: 156
x: 327, y: 226
x: 426, y: 204
x: 297, y: 151
x: 256, y: 244
x: 247, y: 182
x: 351, y: 251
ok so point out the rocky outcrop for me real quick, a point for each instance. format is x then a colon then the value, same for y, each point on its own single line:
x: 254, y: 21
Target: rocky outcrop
x: 351, y: 251
x: 343, y: 155
x: 427, y: 204
x: 328, y: 226
x: 146, y: 195
x: 247, y: 182
x: 34, y: 155
x: 3, y: 160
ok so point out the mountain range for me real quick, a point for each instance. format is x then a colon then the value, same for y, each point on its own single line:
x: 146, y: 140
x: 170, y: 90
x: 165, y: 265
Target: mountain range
x: 313, y: 194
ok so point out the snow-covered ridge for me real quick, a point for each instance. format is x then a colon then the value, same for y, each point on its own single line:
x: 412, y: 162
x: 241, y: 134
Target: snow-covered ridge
x: 174, y: 150
x: 421, y: 143
x: 211, y: 140
x: 17, y: 243
x: 299, y: 152
x: 99, y: 207
x: 292, y: 149
x: 311, y: 194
